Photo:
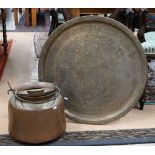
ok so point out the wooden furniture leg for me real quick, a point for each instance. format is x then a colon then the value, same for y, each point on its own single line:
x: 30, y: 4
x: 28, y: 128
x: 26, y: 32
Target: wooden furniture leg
x: 54, y: 22
x: 34, y: 16
x: 141, y: 101
x: 15, y: 11
x: 20, y: 11
x: 27, y: 17
x: 5, y: 43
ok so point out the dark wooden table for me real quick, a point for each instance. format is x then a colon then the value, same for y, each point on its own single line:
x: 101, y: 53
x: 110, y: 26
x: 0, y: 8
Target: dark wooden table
x: 79, y: 11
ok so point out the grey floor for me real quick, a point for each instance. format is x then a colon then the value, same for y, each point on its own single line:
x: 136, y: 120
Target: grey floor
x: 17, y: 70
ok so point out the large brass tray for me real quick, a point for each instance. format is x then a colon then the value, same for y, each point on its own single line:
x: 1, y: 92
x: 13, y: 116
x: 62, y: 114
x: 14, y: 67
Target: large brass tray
x: 99, y: 65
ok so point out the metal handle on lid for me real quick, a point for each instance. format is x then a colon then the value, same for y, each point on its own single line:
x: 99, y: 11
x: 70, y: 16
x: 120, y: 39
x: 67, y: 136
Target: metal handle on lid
x: 34, y: 91
x: 12, y: 90
x: 35, y: 85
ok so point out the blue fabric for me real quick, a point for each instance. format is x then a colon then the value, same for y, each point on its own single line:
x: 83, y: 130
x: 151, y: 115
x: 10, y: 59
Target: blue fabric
x: 149, y: 45
x: 149, y: 103
x: 151, y: 17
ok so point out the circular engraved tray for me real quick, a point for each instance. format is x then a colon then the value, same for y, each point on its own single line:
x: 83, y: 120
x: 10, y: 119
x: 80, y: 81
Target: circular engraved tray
x: 100, y: 67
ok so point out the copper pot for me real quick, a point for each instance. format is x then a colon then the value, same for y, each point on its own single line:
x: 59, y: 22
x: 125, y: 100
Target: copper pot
x: 36, y: 113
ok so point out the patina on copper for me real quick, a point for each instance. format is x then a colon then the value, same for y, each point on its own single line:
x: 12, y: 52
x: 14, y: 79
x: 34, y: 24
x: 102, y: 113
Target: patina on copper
x: 100, y: 67
x: 36, y: 113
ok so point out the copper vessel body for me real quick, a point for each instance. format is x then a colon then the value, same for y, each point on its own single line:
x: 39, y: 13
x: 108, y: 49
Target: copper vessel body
x: 36, y: 122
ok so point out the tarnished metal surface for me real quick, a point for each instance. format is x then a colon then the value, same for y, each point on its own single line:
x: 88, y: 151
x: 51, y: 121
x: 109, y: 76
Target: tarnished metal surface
x: 34, y: 118
x: 100, y: 67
